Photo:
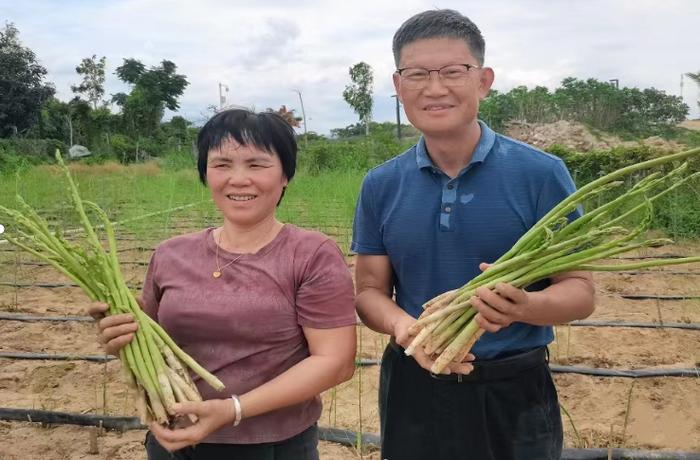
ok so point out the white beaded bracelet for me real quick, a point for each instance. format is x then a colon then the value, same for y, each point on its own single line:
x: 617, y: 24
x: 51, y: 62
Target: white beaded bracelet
x: 239, y: 412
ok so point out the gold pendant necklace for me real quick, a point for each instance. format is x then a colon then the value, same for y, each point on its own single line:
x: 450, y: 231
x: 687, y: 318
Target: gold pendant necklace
x: 217, y: 273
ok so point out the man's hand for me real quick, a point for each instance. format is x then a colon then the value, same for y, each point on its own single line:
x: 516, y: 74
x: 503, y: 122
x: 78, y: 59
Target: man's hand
x: 570, y: 296
x: 404, y: 338
x: 115, y: 330
x: 211, y: 415
x: 500, y: 307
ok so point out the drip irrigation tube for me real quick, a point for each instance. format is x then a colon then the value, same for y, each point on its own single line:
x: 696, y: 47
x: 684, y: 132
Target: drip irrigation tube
x: 56, y: 357
x: 688, y: 326
x: 134, y: 286
x: 626, y: 454
x: 659, y: 297
x: 631, y: 373
x: 31, y: 318
x: 335, y: 435
x: 598, y: 372
x: 103, y: 358
x: 126, y: 262
x: 659, y: 272
x: 556, y: 368
x: 53, y: 285
x: 38, y: 285
x: 145, y: 263
x: 347, y: 437
x: 137, y: 248
x: 67, y: 418
x: 660, y: 256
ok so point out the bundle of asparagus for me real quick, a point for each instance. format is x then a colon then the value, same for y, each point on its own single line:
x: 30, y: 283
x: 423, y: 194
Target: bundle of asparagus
x: 447, y: 328
x: 154, y: 365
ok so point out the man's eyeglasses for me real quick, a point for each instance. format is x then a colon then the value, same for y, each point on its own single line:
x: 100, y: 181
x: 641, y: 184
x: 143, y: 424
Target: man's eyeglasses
x: 450, y: 75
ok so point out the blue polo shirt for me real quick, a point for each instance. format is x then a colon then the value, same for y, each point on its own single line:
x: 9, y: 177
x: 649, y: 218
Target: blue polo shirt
x: 436, y: 229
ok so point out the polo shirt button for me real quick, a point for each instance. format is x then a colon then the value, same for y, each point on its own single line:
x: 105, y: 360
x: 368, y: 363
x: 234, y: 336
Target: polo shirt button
x: 448, y: 209
x: 450, y: 186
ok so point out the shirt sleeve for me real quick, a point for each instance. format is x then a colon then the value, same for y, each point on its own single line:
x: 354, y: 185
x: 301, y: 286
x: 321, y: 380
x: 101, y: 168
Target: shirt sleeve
x: 325, y: 297
x: 151, y: 292
x: 556, y: 188
x: 366, y: 230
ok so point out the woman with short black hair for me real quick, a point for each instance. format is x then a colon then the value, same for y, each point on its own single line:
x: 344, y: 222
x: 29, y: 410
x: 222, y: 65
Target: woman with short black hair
x: 267, y: 307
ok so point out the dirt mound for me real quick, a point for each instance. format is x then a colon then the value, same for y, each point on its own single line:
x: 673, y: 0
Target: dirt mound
x: 690, y: 124
x: 576, y: 136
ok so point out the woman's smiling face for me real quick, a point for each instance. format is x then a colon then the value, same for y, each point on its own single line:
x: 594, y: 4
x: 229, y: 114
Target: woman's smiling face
x: 246, y: 183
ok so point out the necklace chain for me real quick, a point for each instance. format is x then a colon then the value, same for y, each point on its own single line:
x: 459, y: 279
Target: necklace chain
x: 219, y: 269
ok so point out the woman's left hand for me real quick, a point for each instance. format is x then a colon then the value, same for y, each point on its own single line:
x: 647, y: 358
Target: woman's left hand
x: 211, y: 415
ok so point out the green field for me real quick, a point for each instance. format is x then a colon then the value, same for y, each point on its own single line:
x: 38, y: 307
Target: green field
x: 323, y: 202
x: 162, y: 198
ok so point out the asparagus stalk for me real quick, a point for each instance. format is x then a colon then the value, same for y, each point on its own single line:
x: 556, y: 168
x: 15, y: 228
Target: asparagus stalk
x: 154, y: 364
x: 552, y: 246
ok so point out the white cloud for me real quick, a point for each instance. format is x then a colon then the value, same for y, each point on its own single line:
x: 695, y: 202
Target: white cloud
x: 264, y: 51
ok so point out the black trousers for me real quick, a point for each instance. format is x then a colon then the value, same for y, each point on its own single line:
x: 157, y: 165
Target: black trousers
x: 505, y: 410
x: 303, y: 446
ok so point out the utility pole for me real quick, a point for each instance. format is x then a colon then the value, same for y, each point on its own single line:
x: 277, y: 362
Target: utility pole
x: 303, y: 116
x: 398, y: 116
x: 222, y: 98
x: 682, y: 86
x: 615, y: 82
x: 70, y: 128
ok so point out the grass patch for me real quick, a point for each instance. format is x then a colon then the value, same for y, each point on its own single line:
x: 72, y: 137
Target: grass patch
x: 323, y: 202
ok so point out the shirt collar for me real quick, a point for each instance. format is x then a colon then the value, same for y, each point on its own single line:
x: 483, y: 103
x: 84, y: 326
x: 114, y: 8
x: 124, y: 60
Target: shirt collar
x: 483, y: 148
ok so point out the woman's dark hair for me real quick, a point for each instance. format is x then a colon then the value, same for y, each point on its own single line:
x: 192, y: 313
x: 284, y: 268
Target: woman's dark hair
x: 265, y: 130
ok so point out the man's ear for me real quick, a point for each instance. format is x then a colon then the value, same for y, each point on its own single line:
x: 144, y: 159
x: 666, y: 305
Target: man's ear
x: 486, y: 81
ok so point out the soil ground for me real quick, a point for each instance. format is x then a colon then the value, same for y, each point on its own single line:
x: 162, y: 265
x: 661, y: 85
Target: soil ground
x: 662, y: 414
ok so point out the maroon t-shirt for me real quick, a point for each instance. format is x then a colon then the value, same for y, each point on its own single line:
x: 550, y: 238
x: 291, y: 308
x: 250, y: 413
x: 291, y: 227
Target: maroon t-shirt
x: 246, y: 326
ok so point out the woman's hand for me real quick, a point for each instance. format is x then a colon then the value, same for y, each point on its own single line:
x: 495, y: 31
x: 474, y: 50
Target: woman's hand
x: 115, y: 330
x: 211, y: 415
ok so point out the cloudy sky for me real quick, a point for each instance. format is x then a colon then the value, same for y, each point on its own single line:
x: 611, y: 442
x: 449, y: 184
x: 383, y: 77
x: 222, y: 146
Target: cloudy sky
x: 265, y: 50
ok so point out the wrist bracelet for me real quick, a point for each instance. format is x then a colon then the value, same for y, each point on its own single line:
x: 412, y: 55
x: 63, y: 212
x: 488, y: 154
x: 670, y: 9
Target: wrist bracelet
x: 239, y: 412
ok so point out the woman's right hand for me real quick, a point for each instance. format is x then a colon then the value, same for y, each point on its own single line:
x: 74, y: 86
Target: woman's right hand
x: 115, y: 330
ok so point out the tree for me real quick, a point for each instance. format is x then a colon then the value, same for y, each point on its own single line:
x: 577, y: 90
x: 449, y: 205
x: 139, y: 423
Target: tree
x: 593, y: 102
x: 696, y: 78
x: 288, y: 116
x: 359, y: 93
x: 384, y: 129
x: 53, y: 121
x: 130, y: 71
x: 93, y: 73
x: 153, y: 91
x: 22, y: 87
x: 179, y: 131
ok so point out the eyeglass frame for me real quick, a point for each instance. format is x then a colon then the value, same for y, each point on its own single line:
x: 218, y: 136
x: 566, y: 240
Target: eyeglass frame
x: 440, y: 77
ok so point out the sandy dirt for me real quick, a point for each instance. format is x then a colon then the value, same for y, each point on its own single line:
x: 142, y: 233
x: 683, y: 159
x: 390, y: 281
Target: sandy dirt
x: 691, y: 124
x: 579, y: 137
x: 662, y: 414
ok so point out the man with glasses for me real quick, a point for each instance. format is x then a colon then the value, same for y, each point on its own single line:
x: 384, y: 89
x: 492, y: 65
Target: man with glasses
x: 428, y: 221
